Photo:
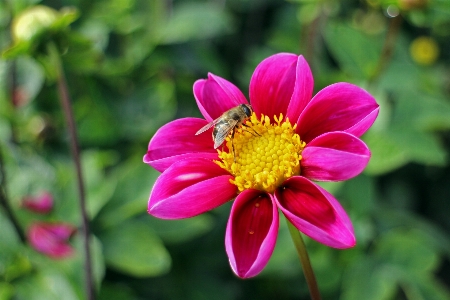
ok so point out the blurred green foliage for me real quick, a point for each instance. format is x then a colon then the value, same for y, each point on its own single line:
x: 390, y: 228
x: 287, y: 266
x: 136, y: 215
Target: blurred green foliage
x: 130, y: 66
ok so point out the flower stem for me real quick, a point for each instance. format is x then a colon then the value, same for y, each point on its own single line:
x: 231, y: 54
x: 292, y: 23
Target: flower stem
x: 304, y: 259
x: 5, y: 203
x: 74, y: 146
x: 388, y: 47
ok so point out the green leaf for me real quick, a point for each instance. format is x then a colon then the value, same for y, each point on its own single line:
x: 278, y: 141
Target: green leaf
x: 30, y: 78
x: 367, y: 279
x: 387, y: 154
x: 6, y: 291
x: 195, y: 21
x: 178, y: 231
x: 420, y: 147
x: 99, y: 186
x: 407, y: 250
x: 356, y: 52
x: 424, y: 288
x: 135, y: 181
x: 133, y: 248
x: 359, y: 194
x: 45, y: 285
x: 149, y: 108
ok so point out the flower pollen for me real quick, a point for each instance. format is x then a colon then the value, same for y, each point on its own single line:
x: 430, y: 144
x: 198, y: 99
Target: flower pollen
x: 265, y: 154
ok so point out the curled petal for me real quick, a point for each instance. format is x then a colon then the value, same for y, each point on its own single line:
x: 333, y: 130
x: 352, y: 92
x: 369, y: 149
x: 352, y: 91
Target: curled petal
x: 272, y: 84
x: 251, y: 232
x: 190, y: 187
x: 338, y: 107
x: 334, y: 156
x: 176, y: 141
x: 51, y: 238
x: 216, y: 95
x: 41, y: 204
x: 315, y: 212
x: 304, y: 84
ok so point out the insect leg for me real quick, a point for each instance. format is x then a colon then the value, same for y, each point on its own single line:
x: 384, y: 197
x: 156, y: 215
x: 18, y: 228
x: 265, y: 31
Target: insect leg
x: 232, y: 145
x: 257, y: 134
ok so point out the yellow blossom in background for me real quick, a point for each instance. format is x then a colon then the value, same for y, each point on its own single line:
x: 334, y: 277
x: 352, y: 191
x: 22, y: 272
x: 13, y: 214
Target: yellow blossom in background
x: 424, y: 50
x: 32, y: 21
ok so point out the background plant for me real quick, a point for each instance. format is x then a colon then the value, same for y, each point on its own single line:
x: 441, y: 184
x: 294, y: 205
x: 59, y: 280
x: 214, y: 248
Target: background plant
x: 130, y: 66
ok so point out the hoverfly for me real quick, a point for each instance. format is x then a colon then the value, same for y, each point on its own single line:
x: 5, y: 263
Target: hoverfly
x: 227, y: 123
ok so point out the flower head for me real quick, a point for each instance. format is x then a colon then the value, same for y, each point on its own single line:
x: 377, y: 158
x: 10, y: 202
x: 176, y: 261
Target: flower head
x: 268, y: 164
x: 51, y: 238
x: 41, y: 204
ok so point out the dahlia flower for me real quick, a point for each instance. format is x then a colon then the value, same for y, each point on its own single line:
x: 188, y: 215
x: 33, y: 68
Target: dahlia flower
x: 51, y: 239
x: 299, y: 139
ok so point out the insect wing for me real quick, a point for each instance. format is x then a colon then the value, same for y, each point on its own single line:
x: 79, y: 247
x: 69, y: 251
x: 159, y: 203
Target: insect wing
x: 207, y: 126
x: 223, y: 132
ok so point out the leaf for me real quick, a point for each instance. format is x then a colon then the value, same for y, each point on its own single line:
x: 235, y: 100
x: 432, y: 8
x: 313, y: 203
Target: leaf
x: 149, y: 108
x: 45, y: 284
x: 407, y: 250
x: 6, y: 291
x: 99, y: 186
x: 195, y: 21
x: 133, y: 248
x: 387, y: 154
x: 355, y: 52
x: 367, y: 279
x: 178, y: 231
x: 424, y: 287
x: 421, y: 147
x: 135, y: 181
x: 30, y: 78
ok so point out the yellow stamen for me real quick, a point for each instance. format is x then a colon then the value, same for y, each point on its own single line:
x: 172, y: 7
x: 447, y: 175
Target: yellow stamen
x: 265, y: 154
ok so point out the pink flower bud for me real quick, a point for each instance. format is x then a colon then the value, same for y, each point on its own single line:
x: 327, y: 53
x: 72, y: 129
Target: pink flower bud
x: 51, y: 239
x: 41, y: 204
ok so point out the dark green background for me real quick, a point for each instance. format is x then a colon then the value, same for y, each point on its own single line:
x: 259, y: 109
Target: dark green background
x: 130, y: 66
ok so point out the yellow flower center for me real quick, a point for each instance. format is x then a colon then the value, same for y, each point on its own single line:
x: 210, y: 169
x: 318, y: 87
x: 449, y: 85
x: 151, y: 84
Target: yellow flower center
x: 265, y: 154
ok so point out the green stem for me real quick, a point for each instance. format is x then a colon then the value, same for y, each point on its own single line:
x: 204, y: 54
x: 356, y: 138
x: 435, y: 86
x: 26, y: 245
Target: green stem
x: 304, y: 259
x: 5, y: 202
x: 388, y: 47
x: 74, y: 146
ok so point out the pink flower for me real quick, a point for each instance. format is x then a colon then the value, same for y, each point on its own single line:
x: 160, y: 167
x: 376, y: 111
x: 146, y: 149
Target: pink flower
x: 299, y: 138
x: 41, y: 204
x: 51, y: 238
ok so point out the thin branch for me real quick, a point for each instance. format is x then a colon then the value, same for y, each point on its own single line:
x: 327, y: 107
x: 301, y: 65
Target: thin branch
x: 74, y: 147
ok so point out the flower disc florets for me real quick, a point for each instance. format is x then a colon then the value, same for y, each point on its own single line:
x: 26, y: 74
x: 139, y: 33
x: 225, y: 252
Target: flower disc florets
x: 265, y: 154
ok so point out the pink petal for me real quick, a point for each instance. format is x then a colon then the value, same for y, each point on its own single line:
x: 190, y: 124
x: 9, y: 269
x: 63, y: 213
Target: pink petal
x: 41, y: 204
x: 190, y: 187
x: 334, y: 156
x: 338, y: 107
x: 176, y: 141
x: 272, y: 84
x: 216, y: 95
x: 304, y: 84
x: 315, y: 212
x: 251, y: 232
x: 51, y: 238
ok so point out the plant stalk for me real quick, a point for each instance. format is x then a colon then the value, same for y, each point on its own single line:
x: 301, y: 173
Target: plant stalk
x: 304, y: 260
x: 5, y: 202
x: 388, y: 47
x: 74, y: 147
